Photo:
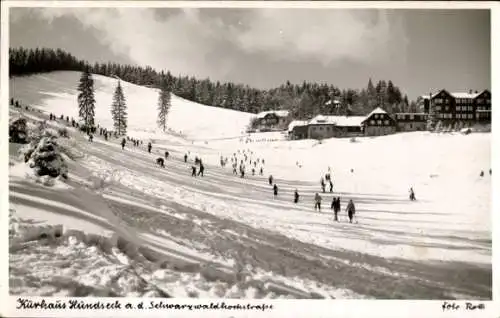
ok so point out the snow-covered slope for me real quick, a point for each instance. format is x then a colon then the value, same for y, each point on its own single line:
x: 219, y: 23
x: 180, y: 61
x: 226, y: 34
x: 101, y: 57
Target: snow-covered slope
x: 449, y: 222
x: 56, y: 92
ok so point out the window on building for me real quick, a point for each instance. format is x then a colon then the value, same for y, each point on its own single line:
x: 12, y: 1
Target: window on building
x: 480, y: 100
x: 447, y: 108
x: 411, y: 117
x: 411, y: 126
x: 438, y: 101
x: 372, y: 122
x: 321, y: 128
x: 379, y: 122
x: 386, y: 122
x: 471, y: 116
x: 438, y: 108
x: 488, y: 101
x: 313, y: 128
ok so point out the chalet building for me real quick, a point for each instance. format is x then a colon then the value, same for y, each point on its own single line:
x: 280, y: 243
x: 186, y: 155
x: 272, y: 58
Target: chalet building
x: 297, y: 129
x: 272, y: 120
x: 483, y: 106
x: 378, y: 123
x: 321, y: 127
x: 411, y: 121
x: 463, y: 107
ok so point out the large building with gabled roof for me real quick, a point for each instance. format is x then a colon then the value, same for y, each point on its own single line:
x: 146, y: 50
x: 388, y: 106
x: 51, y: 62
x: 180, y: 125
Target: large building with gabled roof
x: 452, y: 107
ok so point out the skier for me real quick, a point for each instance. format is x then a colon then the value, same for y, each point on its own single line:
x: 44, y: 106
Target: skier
x: 331, y: 186
x: 193, y: 171
x: 323, y: 185
x: 351, y: 210
x: 123, y: 143
x: 166, y: 154
x: 412, y: 195
x: 185, y: 158
x: 481, y: 174
x: 149, y: 147
x: 317, y: 202
x: 296, y: 196
x: 91, y: 138
x: 234, y: 169
x: 275, y: 189
x: 253, y: 171
x: 336, y: 208
x: 160, y: 162
x: 490, y: 171
x: 242, y: 171
x: 261, y: 171
x: 202, y: 168
x: 106, y: 136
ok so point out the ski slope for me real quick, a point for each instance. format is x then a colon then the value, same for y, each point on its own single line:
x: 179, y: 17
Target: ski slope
x: 418, y: 248
x: 56, y: 92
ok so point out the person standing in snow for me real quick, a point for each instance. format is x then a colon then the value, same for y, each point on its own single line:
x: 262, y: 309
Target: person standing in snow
x: 296, y: 196
x: 412, y: 195
x: 202, y: 169
x: 123, y: 143
x: 149, y: 147
x: 490, y: 171
x: 166, y: 154
x: 185, y: 157
x: 234, y: 169
x: 91, y: 138
x: 481, y: 174
x: 351, y: 210
x: 323, y: 184
x: 193, y: 171
x: 253, y: 171
x: 336, y: 208
x: 275, y: 189
x: 261, y: 171
x: 317, y: 202
x: 270, y: 179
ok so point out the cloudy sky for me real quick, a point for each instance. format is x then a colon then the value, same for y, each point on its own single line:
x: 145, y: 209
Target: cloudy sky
x: 419, y: 50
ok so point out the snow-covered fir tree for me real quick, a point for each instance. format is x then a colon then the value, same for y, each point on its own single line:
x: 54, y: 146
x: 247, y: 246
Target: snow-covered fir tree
x: 163, y: 105
x: 86, y: 100
x: 119, y: 111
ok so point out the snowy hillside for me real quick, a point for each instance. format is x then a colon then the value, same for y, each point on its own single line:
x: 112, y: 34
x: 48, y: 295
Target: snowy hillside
x: 436, y: 247
x: 56, y: 92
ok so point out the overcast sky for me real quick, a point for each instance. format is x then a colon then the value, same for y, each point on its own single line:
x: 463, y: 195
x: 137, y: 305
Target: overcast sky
x: 419, y: 50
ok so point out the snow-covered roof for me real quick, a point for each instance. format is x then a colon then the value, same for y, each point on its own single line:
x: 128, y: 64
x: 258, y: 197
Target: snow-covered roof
x: 332, y: 101
x: 279, y: 113
x: 296, y: 123
x: 343, y: 121
x: 377, y: 110
x: 456, y: 94
x: 464, y: 95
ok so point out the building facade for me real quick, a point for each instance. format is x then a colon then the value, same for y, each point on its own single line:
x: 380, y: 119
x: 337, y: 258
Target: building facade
x: 450, y: 108
x: 322, y: 127
x: 411, y: 121
x: 298, y: 129
x: 378, y: 123
x: 272, y: 120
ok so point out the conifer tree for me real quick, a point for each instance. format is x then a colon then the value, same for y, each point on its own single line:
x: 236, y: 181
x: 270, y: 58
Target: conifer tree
x: 164, y: 104
x: 119, y: 111
x: 86, y: 100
